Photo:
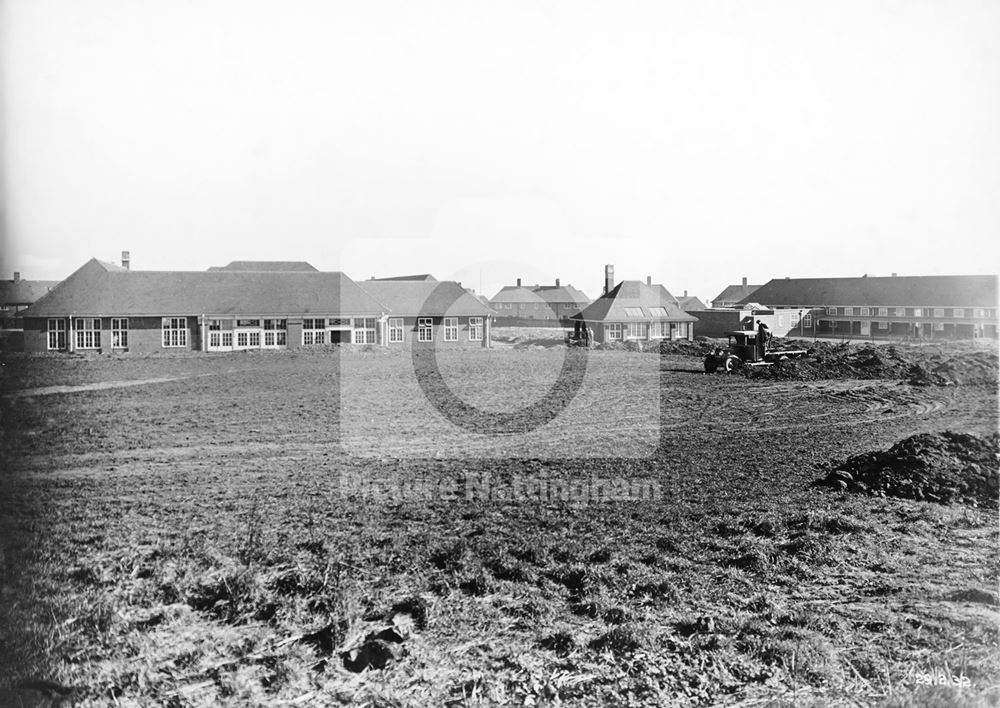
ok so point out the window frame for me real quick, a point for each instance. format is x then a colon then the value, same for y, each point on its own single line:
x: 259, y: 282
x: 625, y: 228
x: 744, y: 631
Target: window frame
x: 450, y: 326
x: 119, y: 333
x: 57, y: 334
x: 397, y: 330
x: 173, y: 336
x: 475, y: 329
x: 425, y: 329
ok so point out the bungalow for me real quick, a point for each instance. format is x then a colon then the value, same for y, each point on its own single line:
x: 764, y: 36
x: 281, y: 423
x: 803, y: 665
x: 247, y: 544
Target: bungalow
x: 919, y: 307
x: 537, y: 305
x: 633, y: 310
x: 103, y: 307
x: 425, y: 310
x: 17, y: 294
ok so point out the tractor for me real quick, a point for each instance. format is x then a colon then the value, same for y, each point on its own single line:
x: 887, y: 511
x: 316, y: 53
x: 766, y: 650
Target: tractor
x: 745, y: 350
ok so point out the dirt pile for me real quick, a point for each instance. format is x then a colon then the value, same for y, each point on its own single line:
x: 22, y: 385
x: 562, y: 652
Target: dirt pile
x: 969, y: 368
x: 942, y: 467
x: 915, y: 365
x: 700, y: 346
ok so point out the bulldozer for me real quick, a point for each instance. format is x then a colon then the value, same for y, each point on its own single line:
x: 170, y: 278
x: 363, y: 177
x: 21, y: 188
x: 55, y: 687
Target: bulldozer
x: 744, y: 349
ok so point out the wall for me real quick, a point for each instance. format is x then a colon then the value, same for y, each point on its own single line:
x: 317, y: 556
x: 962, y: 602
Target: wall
x: 410, y: 334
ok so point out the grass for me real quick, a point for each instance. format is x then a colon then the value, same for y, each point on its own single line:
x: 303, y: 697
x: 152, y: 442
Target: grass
x: 210, y: 564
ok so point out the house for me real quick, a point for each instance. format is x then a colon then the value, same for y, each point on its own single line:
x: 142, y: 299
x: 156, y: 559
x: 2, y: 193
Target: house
x: 268, y: 266
x: 537, y: 305
x: 734, y: 294
x: 919, y: 307
x: 426, y: 310
x: 104, y: 307
x: 633, y: 310
x: 18, y: 294
x: 690, y: 303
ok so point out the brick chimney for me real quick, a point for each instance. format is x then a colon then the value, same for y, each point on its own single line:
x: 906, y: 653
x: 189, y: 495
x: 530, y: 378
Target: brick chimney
x: 126, y: 261
x: 649, y: 280
x: 744, y: 283
x: 685, y: 293
x: 518, y: 282
x: 557, y: 282
x: 609, y: 278
x: 17, y: 276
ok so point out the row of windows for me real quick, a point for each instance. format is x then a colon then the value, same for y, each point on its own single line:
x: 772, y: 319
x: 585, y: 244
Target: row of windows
x: 957, y: 312
x: 535, y: 305
x: 87, y: 333
x: 616, y: 331
x: 221, y: 333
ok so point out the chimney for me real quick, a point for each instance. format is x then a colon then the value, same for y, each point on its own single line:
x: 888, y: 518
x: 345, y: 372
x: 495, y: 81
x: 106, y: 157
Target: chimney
x: 609, y: 278
x: 125, y: 260
x: 893, y: 275
x: 518, y: 282
x: 649, y: 280
x: 17, y: 276
x: 557, y: 282
x: 685, y: 293
x: 744, y: 283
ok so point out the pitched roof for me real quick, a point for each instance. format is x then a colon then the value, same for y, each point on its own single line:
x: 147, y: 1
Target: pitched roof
x: 634, y: 294
x: 528, y: 294
x: 268, y: 266
x: 410, y: 298
x: 895, y: 291
x: 427, y: 277
x: 101, y: 289
x: 23, y: 292
x: 690, y: 302
x: 734, y: 293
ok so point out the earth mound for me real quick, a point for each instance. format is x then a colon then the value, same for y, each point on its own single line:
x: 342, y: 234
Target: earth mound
x: 941, y: 467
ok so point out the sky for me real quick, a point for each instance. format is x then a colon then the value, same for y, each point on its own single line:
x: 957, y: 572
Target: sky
x: 696, y: 142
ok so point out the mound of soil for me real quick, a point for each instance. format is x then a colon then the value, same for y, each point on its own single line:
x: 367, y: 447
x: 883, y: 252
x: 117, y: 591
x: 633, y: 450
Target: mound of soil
x: 969, y: 368
x: 915, y: 365
x: 941, y: 467
x: 699, y: 347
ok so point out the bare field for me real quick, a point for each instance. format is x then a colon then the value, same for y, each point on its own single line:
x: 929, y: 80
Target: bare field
x: 194, y: 538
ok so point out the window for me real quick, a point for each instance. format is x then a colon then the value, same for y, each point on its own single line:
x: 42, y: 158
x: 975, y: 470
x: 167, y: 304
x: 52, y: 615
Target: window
x: 175, y: 332
x: 274, y: 333
x: 57, y: 334
x: 451, y: 329
x: 248, y: 323
x: 657, y: 329
x: 848, y: 311
x: 88, y: 333
x: 119, y: 333
x: 900, y: 312
x: 364, y: 330
x: 866, y: 312
x: 425, y: 329
x: 636, y: 330
x: 633, y: 312
x: 881, y: 325
x: 313, y: 331
x: 917, y: 312
x: 613, y: 331
x: 958, y: 312
x: 807, y: 320
x: 980, y: 313
x: 939, y: 326
x: 831, y: 310
x: 343, y: 322
x: 883, y: 312
x: 395, y: 329
x: 475, y: 329
x: 658, y: 311
x: 241, y: 339
x: 939, y: 312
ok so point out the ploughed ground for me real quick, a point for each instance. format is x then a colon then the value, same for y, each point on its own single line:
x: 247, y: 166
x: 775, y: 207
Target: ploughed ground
x: 294, y: 528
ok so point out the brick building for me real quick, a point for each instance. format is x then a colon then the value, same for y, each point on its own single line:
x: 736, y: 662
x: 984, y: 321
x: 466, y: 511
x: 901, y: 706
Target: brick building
x: 537, y: 305
x: 916, y: 307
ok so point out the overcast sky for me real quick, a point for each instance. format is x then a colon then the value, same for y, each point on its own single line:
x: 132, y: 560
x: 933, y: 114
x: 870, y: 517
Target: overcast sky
x: 693, y: 141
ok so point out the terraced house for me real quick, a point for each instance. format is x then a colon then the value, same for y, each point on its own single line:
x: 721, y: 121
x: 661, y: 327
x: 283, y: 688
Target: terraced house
x: 103, y: 307
x: 915, y: 307
x: 537, y: 305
